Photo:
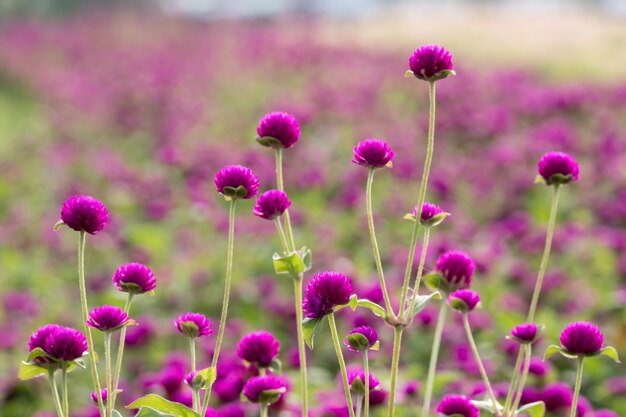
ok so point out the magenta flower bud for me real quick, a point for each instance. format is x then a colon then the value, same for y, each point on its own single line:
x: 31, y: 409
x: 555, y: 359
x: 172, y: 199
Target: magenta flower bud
x: 264, y: 389
x: 356, y: 380
x: 103, y: 392
x: 236, y: 181
x: 193, y: 325
x: 271, y: 204
x: 134, y: 278
x: 373, y: 153
x: 457, y: 404
x: 525, y: 333
x: 538, y: 367
x: 456, y: 268
x: 431, y: 214
x: 259, y: 348
x: 361, y: 338
x: 107, y: 318
x: 463, y: 301
x: 66, y: 344
x: 324, y: 292
x: 84, y: 214
x: 558, y: 168
x: 278, y: 130
x: 582, y: 338
x: 431, y: 63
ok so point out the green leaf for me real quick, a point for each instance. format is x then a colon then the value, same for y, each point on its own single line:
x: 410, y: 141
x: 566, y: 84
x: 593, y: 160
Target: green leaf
x: 539, y: 180
x: 610, y: 352
x: 29, y: 371
x: 307, y: 258
x: 116, y: 413
x: 434, y: 281
x: 376, y: 345
x: 208, y: 376
x: 352, y: 303
x: 311, y: 327
x: 162, y: 405
x: 58, y: 225
x: 37, y: 353
x: 421, y: 301
x: 487, y: 405
x: 372, y: 306
x: 409, y: 216
x: 536, y: 409
x: 290, y: 264
x: 551, y: 350
x: 151, y: 412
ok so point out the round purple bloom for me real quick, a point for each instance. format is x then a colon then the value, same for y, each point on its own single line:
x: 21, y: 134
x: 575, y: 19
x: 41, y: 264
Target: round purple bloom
x: 582, y: 338
x: 66, y: 344
x: 538, y: 367
x: 324, y: 292
x: 258, y: 348
x: 107, y: 318
x: 457, y: 404
x: 557, y: 396
x: 280, y: 126
x: 525, y: 333
x: 271, y: 204
x: 605, y: 412
x: 84, y: 214
x: 457, y: 268
x: 373, y: 153
x: 428, y: 62
x: 368, y: 338
x: 354, y: 375
x: 558, y: 168
x: 103, y: 392
x: 463, y: 300
x: 193, y: 325
x: 134, y: 278
x: 377, y: 397
x: 411, y: 388
x: 256, y: 389
x: 38, y: 339
x: 236, y: 181
x: 428, y: 213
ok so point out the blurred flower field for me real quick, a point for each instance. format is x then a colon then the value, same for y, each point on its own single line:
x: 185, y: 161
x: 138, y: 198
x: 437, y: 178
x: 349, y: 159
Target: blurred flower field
x: 141, y: 111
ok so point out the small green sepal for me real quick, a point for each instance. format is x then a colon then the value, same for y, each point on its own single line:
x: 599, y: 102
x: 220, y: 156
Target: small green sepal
x: 458, y: 305
x: 271, y: 396
x: 294, y: 264
x: 310, y: 328
x: 232, y: 193
x: 276, y: 366
x: 435, y: 281
x: 358, y: 341
x: 269, y: 142
x: 206, y: 378
x: 352, y: 303
x: 58, y: 225
x: 357, y: 386
x: 435, y: 220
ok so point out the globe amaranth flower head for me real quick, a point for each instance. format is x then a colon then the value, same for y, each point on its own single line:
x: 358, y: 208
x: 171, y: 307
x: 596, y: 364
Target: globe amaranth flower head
x: 457, y: 404
x: 456, y: 268
x: 324, y: 292
x: 38, y: 339
x: 526, y: 333
x: 356, y: 380
x: 264, y: 389
x: 84, y: 213
x: 430, y: 215
x: 259, y: 348
x: 103, y: 392
x: 558, y: 168
x: 271, y: 204
x: 582, y: 338
x: 431, y: 63
x: 463, y: 300
x: 134, y: 278
x: 193, y: 325
x: 108, y: 318
x: 373, y: 153
x: 236, y: 181
x: 65, y: 344
x: 361, y: 338
x: 278, y: 130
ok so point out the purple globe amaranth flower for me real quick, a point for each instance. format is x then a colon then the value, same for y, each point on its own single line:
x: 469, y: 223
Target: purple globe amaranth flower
x: 431, y: 214
x: 463, y: 300
x: 356, y: 380
x: 84, y: 214
x: 38, y: 339
x: 525, y: 333
x: 605, y: 412
x: 193, y: 325
x: 103, y: 392
x: 236, y: 181
x: 66, y: 344
x: 278, y: 130
x: 259, y: 348
x: 431, y: 63
x: 456, y: 268
x: 582, y: 338
x: 134, y: 278
x: 457, y: 404
x: 538, y: 367
x: 361, y: 338
x: 271, y: 204
x: 558, y: 168
x: 556, y: 396
x: 193, y: 379
x: 264, y: 389
x: 324, y: 292
x: 373, y: 153
x: 107, y: 318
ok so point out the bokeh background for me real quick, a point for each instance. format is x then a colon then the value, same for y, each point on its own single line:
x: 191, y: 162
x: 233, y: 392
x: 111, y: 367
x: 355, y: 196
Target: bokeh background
x: 141, y: 104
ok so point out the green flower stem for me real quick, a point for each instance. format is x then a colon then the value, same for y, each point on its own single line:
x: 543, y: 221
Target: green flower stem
x: 520, y: 391
x: 434, y: 353
x: 579, y: 380
x: 264, y: 408
x: 514, y: 381
x: 342, y: 363
x: 85, y: 309
x: 421, y: 198
x: 395, y: 364
x: 66, y: 402
x: 107, y: 367
x: 224, y: 314
x: 366, y: 399
x: 281, y: 235
x: 546, y: 255
x: 420, y: 271
x: 374, y: 242
x: 483, y: 373
x: 281, y: 186
x: 359, y: 403
x: 55, y: 393
x: 112, y: 396
x: 192, y: 353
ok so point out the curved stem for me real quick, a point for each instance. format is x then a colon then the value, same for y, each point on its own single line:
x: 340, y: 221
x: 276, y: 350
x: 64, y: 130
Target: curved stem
x: 522, y: 382
x: 514, y: 380
x: 395, y: 364
x: 374, y: 241
x: 66, y: 402
x: 55, y: 394
x: 342, y: 363
x: 297, y: 290
x: 434, y: 353
x: 366, y: 399
x: 108, y: 374
x: 546, y: 255
x: 112, y: 396
x: 481, y: 367
x: 420, y: 271
x: 281, y: 186
x: 579, y: 380
x: 85, y: 309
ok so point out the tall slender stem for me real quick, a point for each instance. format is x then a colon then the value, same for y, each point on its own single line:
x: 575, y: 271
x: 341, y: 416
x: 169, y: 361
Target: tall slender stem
x: 281, y: 186
x: 108, y: 374
x: 85, y: 309
x: 192, y: 354
x: 112, y: 396
x: 434, y: 354
x: 395, y: 364
x: 297, y: 290
x: 579, y: 380
x: 66, y: 402
x: 342, y: 362
x: 55, y: 393
x: 281, y: 235
x: 374, y: 241
x: 520, y: 391
x: 546, y: 255
x: 514, y: 381
x: 481, y: 367
x: 359, y: 403
x: 420, y: 271
x: 366, y: 399
x: 224, y: 314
